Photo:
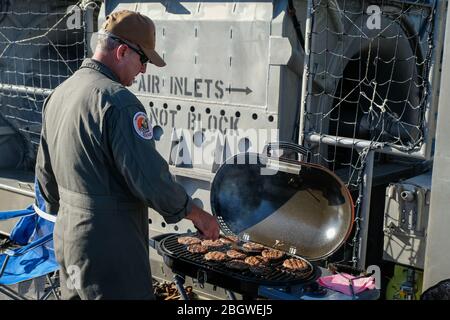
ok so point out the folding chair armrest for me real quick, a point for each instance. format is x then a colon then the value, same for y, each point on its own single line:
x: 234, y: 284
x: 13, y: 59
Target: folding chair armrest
x: 6, y: 215
x: 28, y: 247
x: 44, y: 215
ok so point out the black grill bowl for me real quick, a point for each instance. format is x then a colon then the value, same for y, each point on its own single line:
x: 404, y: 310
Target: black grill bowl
x: 245, y: 282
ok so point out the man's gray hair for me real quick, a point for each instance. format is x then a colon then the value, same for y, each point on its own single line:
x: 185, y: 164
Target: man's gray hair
x: 105, y: 43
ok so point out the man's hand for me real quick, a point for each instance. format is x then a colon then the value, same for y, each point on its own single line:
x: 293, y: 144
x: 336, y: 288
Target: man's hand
x: 205, y: 223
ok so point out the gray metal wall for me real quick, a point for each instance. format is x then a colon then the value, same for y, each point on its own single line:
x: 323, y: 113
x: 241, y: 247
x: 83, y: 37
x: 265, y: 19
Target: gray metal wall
x: 437, y: 257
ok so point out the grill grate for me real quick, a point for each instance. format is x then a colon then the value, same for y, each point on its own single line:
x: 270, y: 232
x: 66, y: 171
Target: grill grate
x: 276, y: 274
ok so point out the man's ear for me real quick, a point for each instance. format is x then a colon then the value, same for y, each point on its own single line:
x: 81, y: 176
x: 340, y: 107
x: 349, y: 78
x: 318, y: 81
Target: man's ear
x: 121, y: 52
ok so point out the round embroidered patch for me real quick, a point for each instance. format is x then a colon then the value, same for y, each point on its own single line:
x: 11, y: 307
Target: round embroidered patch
x: 142, y: 126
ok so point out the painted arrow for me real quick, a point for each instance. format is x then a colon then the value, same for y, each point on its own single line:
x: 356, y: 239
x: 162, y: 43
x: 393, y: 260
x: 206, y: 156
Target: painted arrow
x: 247, y: 90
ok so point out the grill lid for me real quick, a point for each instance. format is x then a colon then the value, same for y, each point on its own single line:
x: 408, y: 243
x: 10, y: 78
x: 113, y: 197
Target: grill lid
x: 297, y: 207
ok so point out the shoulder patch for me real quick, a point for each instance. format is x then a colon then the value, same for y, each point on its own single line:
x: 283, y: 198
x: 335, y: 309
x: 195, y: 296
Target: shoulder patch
x: 142, y: 125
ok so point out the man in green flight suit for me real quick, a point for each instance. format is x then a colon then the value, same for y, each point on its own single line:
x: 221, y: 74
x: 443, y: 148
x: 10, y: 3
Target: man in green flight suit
x: 99, y: 171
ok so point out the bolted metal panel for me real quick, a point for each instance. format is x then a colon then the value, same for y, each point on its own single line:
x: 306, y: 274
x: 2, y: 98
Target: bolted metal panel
x: 231, y: 67
x: 406, y: 220
x: 437, y: 263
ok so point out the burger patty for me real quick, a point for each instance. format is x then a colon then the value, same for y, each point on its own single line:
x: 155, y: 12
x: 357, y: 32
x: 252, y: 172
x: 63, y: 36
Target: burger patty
x: 234, y: 254
x: 197, y: 248
x: 189, y: 240
x: 256, y: 260
x: 252, y: 246
x: 229, y: 239
x: 272, y: 254
x: 295, y: 264
x: 236, y: 265
x: 212, y: 243
x: 215, y: 256
x: 260, y: 269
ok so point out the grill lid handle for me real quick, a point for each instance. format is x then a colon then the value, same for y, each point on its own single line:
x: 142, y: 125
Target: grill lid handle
x: 283, y: 145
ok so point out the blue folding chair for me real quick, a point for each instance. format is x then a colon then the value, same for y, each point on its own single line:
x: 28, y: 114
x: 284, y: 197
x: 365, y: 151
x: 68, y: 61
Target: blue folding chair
x: 32, y: 255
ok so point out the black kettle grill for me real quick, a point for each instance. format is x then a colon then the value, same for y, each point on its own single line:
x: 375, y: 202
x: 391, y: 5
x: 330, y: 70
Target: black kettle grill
x: 298, y: 207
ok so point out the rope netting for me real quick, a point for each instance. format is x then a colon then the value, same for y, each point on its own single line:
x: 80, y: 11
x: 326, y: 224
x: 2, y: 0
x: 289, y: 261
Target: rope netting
x: 367, y: 80
x: 41, y: 44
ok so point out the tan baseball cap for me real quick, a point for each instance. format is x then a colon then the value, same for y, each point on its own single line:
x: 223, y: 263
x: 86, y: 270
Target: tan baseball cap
x: 137, y: 29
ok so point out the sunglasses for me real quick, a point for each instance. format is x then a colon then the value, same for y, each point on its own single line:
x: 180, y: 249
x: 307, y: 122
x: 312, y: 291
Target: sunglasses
x: 142, y: 57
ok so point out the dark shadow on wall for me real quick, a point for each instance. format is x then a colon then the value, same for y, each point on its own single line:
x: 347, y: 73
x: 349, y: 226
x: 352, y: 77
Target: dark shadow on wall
x: 12, y: 147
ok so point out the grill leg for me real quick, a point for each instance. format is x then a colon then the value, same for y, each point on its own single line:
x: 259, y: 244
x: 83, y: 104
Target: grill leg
x: 179, y: 281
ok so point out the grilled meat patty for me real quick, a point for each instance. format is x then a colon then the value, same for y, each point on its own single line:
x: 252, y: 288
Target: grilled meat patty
x: 252, y: 246
x: 229, y: 239
x: 237, y: 265
x: 215, y: 256
x: 212, y: 243
x: 188, y: 240
x: 295, y: 264
x: 260, y: 269
x: 234, y: 254
x: 272, y: 254
x: 256, y: 260
x: 197, y: 248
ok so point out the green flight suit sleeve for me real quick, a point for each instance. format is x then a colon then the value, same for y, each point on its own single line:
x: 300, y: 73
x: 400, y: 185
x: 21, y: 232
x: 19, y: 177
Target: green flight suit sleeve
x: 45, y: 176
x: 144, y: 169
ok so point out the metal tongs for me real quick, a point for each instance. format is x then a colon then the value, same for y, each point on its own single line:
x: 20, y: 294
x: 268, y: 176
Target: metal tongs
x: 233, y: 243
